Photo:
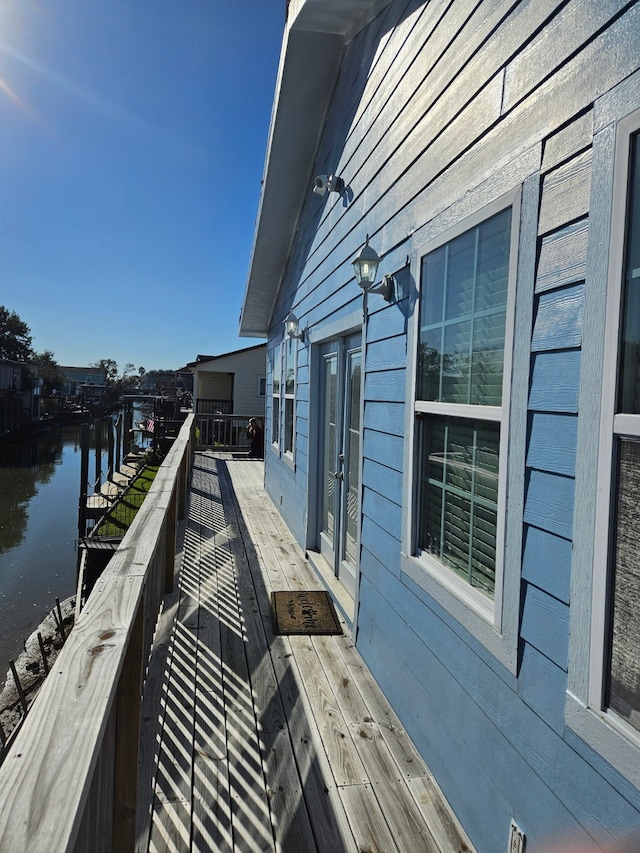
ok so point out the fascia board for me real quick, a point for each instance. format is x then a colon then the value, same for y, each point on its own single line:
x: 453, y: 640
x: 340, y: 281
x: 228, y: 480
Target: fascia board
x: 316, y: 34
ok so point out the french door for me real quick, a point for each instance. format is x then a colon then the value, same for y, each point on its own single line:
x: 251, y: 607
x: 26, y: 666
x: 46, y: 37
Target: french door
x: 339, y: 459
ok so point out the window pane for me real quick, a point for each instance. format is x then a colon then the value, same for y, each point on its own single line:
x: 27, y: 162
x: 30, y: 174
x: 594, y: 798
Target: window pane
x: 487, y: 360
x: 433, y: 271
x: 461, y: 275
x: 288, y: 425
x: 629, y: 397
x: 459, y: 496
x: 290, y: 367
x: 277, y: 367
x: 456, y: 363
x: 275, y: 425
x: 329, y: 444
x: 624, y: 683
x: 462, y: 316
x: 429, y: 368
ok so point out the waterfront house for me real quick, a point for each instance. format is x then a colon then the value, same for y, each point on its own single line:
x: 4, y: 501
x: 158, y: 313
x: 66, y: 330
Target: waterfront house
x: 454, y: 443
x: 231, y: 383
x: 84, y: 384
x: 20, y: 395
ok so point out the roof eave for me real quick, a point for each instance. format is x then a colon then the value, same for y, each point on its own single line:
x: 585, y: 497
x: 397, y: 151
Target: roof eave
x: 317, y: 31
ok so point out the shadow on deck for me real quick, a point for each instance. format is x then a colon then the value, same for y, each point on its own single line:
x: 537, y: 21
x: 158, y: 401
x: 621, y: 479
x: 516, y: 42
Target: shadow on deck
x: 258, y: 742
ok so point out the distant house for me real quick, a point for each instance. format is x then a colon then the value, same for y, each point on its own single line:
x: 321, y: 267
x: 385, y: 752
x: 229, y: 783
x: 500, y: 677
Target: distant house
x: 184, y: 380
x: 455, y: 444
x: 231, y: 383
x: 20, y: 395
x: 84, y: 384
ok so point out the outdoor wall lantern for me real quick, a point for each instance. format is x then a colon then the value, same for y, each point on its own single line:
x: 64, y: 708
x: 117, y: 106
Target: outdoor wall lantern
x: 292, y: 327
x: 366, y: 269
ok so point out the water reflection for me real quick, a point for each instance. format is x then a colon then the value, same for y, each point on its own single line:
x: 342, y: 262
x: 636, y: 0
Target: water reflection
x: 23, y: 467
x: 39, y: 488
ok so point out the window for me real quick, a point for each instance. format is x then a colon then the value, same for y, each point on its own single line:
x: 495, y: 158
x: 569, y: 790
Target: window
x: 283, y: 395
x: 459, y: 407
x: 262, y: 386
x: 289, y: 393
x: 275, y: 419
x: 622, y: 661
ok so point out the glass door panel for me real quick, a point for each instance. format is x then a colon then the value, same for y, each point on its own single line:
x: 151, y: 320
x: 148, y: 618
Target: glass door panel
x: 340, y: 458
x: 329, y: 456
x: 351, y: 468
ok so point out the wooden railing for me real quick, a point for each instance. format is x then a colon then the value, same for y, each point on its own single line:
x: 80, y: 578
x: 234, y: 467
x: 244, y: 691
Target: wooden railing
x: 69, y: 781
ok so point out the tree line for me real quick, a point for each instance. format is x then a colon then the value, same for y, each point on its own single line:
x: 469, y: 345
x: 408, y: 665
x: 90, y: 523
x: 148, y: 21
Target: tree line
x: 16, y: 344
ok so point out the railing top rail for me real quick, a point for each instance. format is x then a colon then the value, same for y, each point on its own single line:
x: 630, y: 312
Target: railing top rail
x: 46, y: 777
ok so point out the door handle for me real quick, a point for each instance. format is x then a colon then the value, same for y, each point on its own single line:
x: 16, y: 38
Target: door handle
x: 338, y: 475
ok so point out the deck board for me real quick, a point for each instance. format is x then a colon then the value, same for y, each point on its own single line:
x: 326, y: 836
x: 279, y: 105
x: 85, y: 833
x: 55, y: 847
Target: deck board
x: 257, y: 742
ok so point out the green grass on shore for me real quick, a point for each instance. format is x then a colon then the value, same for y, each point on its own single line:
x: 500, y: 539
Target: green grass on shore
x: 118, y: 521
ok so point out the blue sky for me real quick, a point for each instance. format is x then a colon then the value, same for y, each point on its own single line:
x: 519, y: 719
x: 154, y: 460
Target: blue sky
x: 133, y: 136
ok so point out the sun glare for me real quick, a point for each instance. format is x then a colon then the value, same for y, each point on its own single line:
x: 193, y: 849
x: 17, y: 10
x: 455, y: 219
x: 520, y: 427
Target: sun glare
x: 9, y: 11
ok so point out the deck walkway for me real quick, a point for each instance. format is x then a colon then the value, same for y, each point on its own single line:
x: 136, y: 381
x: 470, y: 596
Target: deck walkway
x: 256, y: 742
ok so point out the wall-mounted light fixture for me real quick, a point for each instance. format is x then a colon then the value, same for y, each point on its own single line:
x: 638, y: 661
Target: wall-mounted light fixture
x: 366, y: 269
x: 292, y: 327
x: 328, y: 183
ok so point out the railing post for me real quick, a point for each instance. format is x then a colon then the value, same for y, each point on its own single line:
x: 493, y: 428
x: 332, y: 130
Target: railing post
x: 118, y: 442
x: 128, y: 710
x: 97, y: 430
x: 183, y: 485
x: 110, y: 447
x: 84, y: 481
x: 170, y: 540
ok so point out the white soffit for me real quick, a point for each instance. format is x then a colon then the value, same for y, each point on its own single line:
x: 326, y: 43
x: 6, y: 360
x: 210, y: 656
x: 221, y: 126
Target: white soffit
x: 316, y: 33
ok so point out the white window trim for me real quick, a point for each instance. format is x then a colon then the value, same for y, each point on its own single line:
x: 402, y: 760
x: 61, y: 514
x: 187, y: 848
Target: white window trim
x: 491, y: 622
x: 609, y: 735
x: 288, y: 455
x: 277, y: 368
x: 610, y: 424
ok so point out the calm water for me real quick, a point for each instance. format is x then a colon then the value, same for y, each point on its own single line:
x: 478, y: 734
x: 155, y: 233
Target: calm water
x: 39, y: 488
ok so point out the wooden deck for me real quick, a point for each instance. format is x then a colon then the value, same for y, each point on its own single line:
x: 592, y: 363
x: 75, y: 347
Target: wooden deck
x: 256, y: 742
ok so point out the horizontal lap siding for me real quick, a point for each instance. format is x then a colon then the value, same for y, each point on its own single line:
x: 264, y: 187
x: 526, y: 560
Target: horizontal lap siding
x: 478, y: 728
x: 553, y: 421
x: 439, y: 108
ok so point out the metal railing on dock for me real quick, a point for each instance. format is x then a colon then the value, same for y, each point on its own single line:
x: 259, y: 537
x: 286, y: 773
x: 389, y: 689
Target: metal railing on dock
x: 212, y: 406
x: 222, y: 432
x: 69, y: 781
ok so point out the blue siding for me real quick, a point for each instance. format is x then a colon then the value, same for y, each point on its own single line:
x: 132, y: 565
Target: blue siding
x: 555, y: 381
x: 385, y: 386
x: 546, y: 562
x: 382, y: 546
x: 545, y: 624
x: 558, y: 322
x: 386, y: 448
x: 549, y: 503
x: 384, y: 417
x: 541, y: 686
x: 380, y: 478
x: 439, y: 109
x: 486, y: 731
x: 552, y: 443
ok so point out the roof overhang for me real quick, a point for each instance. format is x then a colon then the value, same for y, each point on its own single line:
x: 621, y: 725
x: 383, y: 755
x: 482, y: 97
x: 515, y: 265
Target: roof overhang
x: 314, y: 39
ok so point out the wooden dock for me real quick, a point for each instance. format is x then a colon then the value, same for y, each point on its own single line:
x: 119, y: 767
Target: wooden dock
x: 101, y: 502
x: 257, y: 742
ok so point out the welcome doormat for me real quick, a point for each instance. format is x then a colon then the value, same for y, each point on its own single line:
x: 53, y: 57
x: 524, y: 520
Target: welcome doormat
x: 306, y: 612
